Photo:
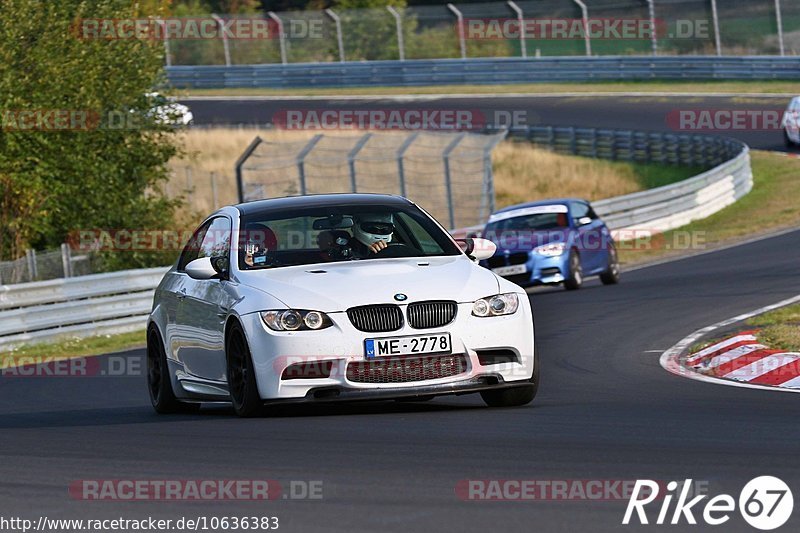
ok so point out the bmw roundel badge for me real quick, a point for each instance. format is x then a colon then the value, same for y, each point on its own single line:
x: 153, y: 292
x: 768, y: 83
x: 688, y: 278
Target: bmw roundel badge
x: 400, y: 297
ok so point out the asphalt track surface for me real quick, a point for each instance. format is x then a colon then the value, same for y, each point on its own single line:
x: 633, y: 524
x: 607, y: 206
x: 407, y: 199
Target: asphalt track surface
x: 646, y: 113
x: 606, y: 410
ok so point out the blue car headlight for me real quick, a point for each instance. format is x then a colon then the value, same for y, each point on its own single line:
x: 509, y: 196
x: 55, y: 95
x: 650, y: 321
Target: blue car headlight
x: 497, y: 305
x: 295, y: 319
x: 552, y: 249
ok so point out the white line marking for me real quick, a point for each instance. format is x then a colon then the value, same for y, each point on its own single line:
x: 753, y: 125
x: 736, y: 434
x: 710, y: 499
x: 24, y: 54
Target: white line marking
x: 669, y: 359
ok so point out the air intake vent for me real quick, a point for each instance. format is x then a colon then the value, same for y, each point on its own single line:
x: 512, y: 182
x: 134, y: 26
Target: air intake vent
x: 426, y: 315
x: 406, y: 369
x: 376, y: 318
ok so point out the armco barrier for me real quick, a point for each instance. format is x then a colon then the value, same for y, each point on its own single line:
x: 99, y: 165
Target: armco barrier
x: 98, y: 304
x: 485, y: 71
x: 120, y: 301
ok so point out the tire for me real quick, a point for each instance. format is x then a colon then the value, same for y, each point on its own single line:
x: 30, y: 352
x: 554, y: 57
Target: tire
x: 611, y: 275
x: 575, y: 278
x: 787, y: 141
x: 162, y: 397
x: 241, y: 375
x: 516, y: 396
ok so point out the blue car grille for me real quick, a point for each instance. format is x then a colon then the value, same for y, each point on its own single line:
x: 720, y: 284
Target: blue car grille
x: 500, y: 260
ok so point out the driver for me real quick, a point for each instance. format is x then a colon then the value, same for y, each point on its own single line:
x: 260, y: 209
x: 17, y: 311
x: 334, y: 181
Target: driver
x: 372, y: 233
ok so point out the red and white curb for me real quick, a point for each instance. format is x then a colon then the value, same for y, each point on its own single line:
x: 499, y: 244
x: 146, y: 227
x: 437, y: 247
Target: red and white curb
x: 739, y: 361
x: 742, y: 358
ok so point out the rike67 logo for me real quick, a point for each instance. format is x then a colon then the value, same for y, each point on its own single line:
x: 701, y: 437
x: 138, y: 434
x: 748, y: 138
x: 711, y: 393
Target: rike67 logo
x: 765, y: 503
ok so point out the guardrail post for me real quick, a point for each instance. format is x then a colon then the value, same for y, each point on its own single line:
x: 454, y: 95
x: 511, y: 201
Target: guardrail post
x: 715, y: 16
x: 66, y: 260
x: 281, y: 34
x: 460, y: 27
x: 654, y: 37
x: 301, y: 161
x: 33, y: 270
x: 779, y: 22
x: 401, y: 152
x: 351, y: 159
x: 447, y: 181
x: 573, y: 142
x: 338, y: 22
x: 240, y: 163
x: 226, y: 49
x: 585, y: 16
x: 523, y: 48
x: 399, y: 24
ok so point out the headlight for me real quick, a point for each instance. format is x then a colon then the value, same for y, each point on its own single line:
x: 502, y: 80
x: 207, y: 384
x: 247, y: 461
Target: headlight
x: 295, y: 319
x: 497, y: 305
x: 553, y: 249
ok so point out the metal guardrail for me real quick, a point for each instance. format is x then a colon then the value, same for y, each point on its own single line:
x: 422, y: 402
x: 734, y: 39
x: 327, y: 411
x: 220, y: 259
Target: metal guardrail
x: 119, y: 302
x: 98, y: 304
x: 485, y: 71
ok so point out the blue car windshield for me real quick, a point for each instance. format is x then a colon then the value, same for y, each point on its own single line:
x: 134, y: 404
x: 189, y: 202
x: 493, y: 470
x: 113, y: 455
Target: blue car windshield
x: 534, y: 222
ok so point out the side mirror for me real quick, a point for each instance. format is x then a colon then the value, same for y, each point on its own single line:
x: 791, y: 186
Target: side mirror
x: 202, y: 268
x: 584, y: 221
x: 476, y: 248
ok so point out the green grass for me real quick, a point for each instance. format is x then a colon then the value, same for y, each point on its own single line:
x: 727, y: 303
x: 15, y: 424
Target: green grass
x: 771, y: 205
x: 690, y: 88
x: 780, y: 329
x: 70, y: 348
x: 650, y: 176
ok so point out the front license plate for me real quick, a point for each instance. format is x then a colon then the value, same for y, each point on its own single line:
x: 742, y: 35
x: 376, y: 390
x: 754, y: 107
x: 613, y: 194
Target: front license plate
x: 413, y: 345
x: 510, y: 270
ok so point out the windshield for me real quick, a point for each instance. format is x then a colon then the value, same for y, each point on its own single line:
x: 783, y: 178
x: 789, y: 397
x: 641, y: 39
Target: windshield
x: 530, y: 222
x: 327, y: 234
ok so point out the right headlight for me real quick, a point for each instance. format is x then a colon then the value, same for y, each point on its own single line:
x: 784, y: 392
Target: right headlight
x: 295, y: 319
x: 497, y: 305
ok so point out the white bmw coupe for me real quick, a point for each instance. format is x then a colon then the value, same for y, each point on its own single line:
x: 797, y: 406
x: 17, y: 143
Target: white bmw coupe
x: 335, y: 297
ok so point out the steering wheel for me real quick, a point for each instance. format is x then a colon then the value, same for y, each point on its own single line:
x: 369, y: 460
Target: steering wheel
x: 396, y: 250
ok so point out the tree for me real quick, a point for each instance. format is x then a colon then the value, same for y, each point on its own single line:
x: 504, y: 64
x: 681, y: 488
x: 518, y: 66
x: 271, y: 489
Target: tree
x: 56, y: 178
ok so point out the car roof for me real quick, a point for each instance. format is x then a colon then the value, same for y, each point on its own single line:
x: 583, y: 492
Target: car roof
x: 321, y: 200
x: 551, y: 201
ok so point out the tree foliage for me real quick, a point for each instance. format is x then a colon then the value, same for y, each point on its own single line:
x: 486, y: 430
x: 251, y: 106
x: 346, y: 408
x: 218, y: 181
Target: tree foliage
x: 54, y: 180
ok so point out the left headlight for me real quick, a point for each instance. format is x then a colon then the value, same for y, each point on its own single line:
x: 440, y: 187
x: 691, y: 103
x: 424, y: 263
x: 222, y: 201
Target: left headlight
x: 295, y: 319
x: 497, y: 305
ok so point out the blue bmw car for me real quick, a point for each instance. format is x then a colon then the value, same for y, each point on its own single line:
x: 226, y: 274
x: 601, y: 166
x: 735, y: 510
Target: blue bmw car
x: 551, y: 242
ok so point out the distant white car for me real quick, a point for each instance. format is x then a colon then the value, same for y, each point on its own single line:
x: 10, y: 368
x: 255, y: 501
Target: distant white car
x: 168, y: 111
x: 335, y: 297
x: 791, y: 123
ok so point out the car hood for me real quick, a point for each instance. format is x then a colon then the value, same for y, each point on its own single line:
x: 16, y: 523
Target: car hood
x: 333, y: 287
x: 527, y: 241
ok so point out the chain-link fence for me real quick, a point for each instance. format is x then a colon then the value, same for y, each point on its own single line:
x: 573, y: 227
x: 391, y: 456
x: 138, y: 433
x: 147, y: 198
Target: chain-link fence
x: 525, y: 28
x: 49, y: 264
x: 450, y: 173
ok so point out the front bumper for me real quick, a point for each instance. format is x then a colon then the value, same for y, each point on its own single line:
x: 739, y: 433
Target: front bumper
x: 340, y: 345
x: 542, y: 270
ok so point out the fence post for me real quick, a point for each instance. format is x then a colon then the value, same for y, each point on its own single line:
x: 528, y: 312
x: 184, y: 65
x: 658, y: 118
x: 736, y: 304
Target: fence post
x: 715, y: 17
x: 214, y: 189
x: 651, y: 5
x: 225, y: 46
x: 523, y: 48
x: 779, y: 22
x: 301, y: 164
x: 167, y: 57
x: 33, y: 270
x: 351, y: 159
x: 189, y: 185
x: 240, y: 163
x: 585, y: 17
x: 66, y: 260
x: 401, y: 152
x: 447, y: 181
x: 281, y: 34
x: 460, y: 22
x: 399, y: 23
x: 338, y: 22
x: 488, y: 176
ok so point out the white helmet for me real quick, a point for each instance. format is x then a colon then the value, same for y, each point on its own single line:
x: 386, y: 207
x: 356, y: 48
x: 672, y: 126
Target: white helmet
x: 373, y: 227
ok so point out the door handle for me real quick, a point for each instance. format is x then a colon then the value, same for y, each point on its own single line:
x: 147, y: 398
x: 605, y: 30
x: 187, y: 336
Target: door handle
x: 181, y: 294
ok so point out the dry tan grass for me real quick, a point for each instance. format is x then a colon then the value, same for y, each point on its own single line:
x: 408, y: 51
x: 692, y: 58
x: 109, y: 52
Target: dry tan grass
x: 521, y: 171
